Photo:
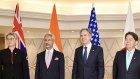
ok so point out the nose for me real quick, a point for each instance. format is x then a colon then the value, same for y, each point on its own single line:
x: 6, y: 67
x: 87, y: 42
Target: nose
x: 127, y: 41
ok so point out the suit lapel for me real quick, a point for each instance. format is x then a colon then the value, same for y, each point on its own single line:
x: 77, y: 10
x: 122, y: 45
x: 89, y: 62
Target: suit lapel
x: 81, y: 55
x: 44, y: 62
x: 132, y: 63
x: 124, y: 60
x: 92, y: 51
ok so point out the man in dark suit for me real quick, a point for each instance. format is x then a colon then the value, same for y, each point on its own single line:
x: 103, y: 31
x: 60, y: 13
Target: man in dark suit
x: 88, y: 61
x: 50, y: 63
x: 126, y: 64
x: 13, y: 63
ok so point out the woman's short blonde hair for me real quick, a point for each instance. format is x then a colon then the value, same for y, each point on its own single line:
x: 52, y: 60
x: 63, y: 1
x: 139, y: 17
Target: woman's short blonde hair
x: 12, y: 34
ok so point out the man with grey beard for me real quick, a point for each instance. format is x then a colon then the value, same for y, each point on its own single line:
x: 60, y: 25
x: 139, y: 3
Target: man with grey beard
x: 50, y: 63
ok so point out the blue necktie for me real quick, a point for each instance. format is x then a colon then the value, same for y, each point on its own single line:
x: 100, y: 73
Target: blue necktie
x: 85, y: 55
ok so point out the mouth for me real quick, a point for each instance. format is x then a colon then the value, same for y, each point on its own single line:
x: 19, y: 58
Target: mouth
x: 127, y: 44
x: 47, y: 45
x: 9, y: 43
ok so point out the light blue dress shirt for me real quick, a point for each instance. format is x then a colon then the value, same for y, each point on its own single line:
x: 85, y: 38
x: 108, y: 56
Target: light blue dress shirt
x: 129, y: 56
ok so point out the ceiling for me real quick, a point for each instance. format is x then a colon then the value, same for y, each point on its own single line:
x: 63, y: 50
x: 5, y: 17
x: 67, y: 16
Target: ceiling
x: 68, y: 7
x: 72, y: 7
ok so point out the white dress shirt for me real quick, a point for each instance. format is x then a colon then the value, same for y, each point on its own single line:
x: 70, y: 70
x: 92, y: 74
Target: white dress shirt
x: 88, y: 49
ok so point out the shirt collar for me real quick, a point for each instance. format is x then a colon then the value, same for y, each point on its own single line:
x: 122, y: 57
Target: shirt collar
x: 132, y: 51
x: 51, y: 51
x: 10, y: 50
x: 88, y: 45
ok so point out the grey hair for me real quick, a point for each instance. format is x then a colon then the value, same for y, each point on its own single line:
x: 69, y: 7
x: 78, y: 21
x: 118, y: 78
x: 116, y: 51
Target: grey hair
x: 51, y: 35
x: 12, y: 34
x: 86, y: 29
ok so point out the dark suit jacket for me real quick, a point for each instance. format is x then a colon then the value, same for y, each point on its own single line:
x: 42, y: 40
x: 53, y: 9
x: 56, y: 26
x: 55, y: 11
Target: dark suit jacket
x: 19, y: 69
x: 119, y: 66
x: 94, y: 67
x: 55, y: 70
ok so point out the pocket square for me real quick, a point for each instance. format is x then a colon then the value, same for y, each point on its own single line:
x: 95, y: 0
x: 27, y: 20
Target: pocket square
x: 56, y: 58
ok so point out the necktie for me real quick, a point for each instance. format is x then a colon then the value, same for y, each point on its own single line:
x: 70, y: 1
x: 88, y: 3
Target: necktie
x: 85, y: 55
x: 128, y: 59
x: 12, y: 58
x: 48, y: 59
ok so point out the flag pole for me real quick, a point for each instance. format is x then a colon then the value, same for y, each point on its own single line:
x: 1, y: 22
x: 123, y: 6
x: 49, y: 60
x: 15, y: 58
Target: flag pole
x: 92, y: 4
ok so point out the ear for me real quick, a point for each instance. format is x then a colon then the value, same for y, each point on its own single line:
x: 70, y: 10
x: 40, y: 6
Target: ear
x: 90, y: 36
x: 136, y: 43
x: 53, y: 40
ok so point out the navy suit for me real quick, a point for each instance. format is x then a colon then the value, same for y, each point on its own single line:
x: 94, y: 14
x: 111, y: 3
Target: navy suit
x: 119, y: 66
x: 56, y: 67
x: 94, y: 67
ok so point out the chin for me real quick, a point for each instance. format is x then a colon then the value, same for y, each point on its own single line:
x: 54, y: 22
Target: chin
x: 84, y: 43
x: 10, y: 45
x: 130, y: 47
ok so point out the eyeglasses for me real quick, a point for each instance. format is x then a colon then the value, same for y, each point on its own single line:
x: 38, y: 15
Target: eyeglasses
x: 10, y: 39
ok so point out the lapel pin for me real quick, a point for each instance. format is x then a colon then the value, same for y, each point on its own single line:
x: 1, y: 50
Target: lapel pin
x: 134, y: 58
x: 15, y: 53
x: 92, y: 50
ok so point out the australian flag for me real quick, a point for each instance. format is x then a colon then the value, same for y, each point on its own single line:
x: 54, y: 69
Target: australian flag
x: 17, y: 28
x: 94, y: 28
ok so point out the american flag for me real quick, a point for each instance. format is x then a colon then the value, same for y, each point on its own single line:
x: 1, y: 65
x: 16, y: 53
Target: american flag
x: 17, y: 28
x: 94, y: 28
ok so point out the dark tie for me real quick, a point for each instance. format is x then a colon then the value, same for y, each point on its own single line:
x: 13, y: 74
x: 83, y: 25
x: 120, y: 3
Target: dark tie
x: 85, y: 55
x: 12, y: 58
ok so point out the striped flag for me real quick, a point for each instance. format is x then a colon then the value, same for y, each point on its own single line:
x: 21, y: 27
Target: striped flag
x: 54, y: 29
x: 94, y: 28
x: 17, y: 28
x: 129, y: 24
